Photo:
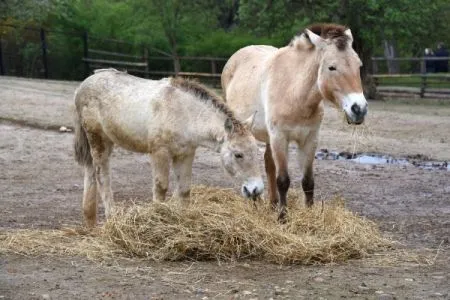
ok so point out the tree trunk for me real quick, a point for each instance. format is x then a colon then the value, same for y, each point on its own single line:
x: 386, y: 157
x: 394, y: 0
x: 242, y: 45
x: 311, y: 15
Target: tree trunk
x: 390, y: 52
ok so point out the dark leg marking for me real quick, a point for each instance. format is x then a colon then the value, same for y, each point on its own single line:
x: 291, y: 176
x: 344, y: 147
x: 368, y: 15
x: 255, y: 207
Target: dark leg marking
x: 283, y: 183
x: 308, y: 187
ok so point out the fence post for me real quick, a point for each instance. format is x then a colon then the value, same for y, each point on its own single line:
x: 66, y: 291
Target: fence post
x: 374, y: 66
x: 146, y: 62
x: 44, y: 52
x: 86, y: 54
x: 213, y: 67
x: 2, y: 67
x: 423, y: 71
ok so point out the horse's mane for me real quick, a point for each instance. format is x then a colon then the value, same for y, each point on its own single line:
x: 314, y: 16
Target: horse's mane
x: 334, y: 32
x: 203, y: 93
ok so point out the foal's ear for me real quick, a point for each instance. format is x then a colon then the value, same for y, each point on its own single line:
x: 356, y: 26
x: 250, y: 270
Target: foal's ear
x: 348, y: 33
x: 314, y: 39
x: 229, y: 126
x: 250, y: 121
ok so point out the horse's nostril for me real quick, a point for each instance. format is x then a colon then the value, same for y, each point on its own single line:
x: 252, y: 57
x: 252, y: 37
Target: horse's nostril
x: 255, y: 191
x: 356, y: 109
x: 246, y: 191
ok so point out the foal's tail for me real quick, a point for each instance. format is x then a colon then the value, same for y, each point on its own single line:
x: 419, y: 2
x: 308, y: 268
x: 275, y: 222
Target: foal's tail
x: 81, y: 144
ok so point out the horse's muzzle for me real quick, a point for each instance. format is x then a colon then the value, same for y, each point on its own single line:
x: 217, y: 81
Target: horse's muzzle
x: 357, y: 114
x: 253, y: 188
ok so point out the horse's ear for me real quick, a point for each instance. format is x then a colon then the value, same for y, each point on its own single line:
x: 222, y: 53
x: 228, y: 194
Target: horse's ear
x: 348, y: 33
x: 229, y: 126
x: 250, y: 121
x: 314, y: 39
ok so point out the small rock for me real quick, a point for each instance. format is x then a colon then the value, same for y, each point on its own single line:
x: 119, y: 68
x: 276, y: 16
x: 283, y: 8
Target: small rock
x: 385, y: 297
x: 64, y: 129
x: 205, y: 298
x: 438, y: 277
x: 379, y: 292
x: 438, y: 295
x: 246, y: 292
x: 279, y: 291
x: 45, y: 270
x: 363, y: 287
x: 409, y: 279
x: 46, y: 296
x: 319, y: 279
x: 289, y: 282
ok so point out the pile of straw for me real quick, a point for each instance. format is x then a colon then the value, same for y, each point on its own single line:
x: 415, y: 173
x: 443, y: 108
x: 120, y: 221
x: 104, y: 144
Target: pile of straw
x: 221, y: 225
x: 218, y: 225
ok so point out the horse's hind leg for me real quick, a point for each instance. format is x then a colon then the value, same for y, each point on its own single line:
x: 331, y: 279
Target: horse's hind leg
x: 182, y: 167
x: 271, y: 177
x: 101, y: 148
x: 160, y: 172
x: 90, y: 197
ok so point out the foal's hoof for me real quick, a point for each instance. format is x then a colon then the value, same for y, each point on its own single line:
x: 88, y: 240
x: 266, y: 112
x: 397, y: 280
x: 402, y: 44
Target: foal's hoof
x: 282, y: 218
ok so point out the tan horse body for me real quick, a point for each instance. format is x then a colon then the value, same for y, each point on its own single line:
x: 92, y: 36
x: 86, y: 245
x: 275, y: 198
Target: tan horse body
x: 168, y: 119
x: 284, y: 88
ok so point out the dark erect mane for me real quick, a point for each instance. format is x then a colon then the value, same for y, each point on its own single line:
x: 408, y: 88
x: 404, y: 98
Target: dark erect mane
x: 206, y: 95
x: 333, y: 32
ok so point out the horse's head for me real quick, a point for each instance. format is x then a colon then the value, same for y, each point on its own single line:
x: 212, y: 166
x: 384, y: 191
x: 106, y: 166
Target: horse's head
x: 239, y: 158
x: 338, y: 78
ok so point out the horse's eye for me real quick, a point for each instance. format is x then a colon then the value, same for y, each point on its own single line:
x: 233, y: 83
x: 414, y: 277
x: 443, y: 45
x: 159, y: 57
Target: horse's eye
x: 332, y: 68
x: 238, y: 155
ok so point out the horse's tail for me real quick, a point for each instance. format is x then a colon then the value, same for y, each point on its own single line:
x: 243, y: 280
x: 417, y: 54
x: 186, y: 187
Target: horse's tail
x: 81, y: 145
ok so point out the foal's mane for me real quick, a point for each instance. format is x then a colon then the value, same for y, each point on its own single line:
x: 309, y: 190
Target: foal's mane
x: 203, y: 93
x: 334, y: 32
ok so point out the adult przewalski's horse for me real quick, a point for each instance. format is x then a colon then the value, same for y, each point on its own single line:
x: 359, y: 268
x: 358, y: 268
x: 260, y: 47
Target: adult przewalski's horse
x: 285, y: 87
x: 168, y: 119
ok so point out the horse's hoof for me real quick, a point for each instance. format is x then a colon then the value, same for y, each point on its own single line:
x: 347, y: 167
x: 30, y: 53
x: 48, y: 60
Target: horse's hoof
x: 282, y: 219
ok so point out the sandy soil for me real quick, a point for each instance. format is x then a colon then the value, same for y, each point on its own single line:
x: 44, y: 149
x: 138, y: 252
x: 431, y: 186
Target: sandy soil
x: 41, y: 187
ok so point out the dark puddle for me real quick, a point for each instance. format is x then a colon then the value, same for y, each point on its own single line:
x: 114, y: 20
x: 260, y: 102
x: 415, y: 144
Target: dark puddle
x: 420, y: 161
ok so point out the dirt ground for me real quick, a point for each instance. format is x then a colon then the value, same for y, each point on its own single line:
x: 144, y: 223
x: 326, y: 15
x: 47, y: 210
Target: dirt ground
x: 41, y: 187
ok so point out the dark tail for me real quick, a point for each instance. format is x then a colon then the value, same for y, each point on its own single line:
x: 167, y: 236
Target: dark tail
x: 81, y: 144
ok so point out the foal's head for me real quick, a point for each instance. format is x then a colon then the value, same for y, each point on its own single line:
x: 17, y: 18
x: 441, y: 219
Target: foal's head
x: 338, y: 77
x: 239, y: 158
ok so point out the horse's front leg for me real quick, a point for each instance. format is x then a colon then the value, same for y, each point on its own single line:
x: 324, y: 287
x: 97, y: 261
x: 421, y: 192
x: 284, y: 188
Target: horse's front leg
x: 271, y: 173
x: 160, y: 161
x: 182, y: 167
x: 306, y: 155
x: 279, y: 147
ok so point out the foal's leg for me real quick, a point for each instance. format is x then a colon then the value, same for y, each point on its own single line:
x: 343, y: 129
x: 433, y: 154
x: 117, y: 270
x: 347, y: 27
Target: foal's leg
x: 101, y: 148
x: 160, y: 171
x: 90, y: 197
x: 182, y: 167
x: 271, y: 177
x: 279, y: 146
x: 306, y: 157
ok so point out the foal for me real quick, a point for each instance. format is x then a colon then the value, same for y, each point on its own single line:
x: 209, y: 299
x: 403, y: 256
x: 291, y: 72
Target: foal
x: 168, y: 119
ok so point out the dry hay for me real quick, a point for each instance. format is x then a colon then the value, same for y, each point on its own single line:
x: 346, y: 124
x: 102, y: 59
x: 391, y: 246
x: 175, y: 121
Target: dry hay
x: 220, y: 225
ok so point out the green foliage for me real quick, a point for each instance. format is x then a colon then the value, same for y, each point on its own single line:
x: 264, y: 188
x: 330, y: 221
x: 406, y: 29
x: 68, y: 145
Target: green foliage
x: 220, y: 27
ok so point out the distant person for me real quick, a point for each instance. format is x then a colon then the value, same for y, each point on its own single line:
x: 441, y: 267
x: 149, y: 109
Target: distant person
x: 441, y: 65
x: 429, y: 64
